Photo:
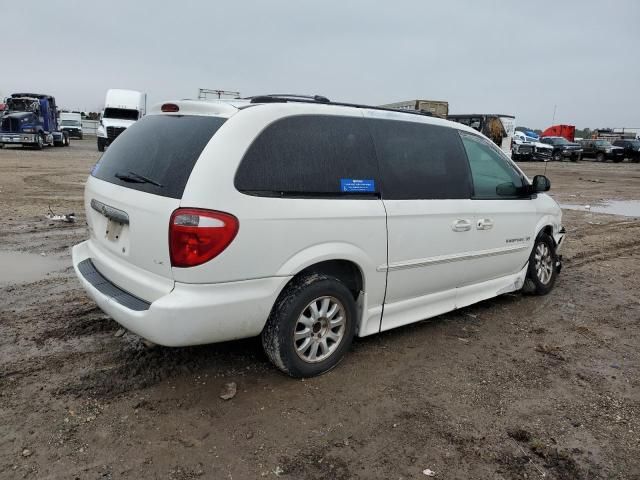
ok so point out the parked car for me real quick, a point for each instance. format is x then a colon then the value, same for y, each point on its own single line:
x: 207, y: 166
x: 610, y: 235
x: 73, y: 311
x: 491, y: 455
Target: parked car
x: 631, y: 149
x: 306, y: 222
x: 602, y: 150
x: 529, y: 148
x: 563, y: 148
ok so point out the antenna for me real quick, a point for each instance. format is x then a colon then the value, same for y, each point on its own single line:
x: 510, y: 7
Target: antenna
x: 553, y: 121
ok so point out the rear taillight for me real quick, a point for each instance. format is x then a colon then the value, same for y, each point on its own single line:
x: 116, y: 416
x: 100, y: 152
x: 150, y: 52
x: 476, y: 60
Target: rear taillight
x: 196, y: 236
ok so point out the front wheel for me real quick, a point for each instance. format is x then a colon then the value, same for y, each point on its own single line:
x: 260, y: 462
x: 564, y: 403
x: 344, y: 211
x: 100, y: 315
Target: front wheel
x: 542, y: 270
x: 311, y: 326
x: 600, y: 157
x: 39, y: 142
x: 557, y: 157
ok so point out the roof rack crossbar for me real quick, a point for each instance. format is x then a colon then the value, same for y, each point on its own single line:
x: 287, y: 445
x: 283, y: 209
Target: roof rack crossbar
x: 286, y: 98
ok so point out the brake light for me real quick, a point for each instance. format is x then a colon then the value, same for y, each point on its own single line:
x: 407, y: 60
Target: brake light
x: 170, y: 108
x: 197, y: 236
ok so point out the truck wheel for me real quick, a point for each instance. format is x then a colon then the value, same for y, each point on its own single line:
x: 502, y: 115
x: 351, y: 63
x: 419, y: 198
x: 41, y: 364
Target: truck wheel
x: 39, y: 142
x: 311, y: 326
x: 557, y: 157
x: 100, y: 144
x: 600, y: 157
x: 80, y: 137
x: 66, y: 140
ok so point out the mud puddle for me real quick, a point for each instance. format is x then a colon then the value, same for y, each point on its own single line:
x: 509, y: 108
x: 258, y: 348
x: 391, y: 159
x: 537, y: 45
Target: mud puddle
x: 627, y: 208
x: 19, y: 267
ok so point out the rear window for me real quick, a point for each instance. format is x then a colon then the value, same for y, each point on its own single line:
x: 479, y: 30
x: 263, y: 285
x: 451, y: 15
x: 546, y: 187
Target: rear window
x: 310, y: 155
x: 159, y: 148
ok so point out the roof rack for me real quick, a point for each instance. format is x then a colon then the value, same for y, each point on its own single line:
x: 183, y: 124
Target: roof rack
x: 286, y: 98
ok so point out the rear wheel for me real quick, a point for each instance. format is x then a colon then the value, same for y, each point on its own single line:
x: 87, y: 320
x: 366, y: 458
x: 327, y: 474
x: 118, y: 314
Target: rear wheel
x: 311, y: 326
x: 542, y: 270
x: 66, y: 140
x: 100, y: 144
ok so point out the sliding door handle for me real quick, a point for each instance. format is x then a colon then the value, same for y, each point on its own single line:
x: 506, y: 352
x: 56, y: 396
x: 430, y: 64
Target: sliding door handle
x: 461, y: 225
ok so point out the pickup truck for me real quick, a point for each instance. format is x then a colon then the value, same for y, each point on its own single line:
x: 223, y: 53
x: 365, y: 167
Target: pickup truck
x: 631, y: 149
x: 563, y: 148
x: 525, y: 147
x: 602, y: 150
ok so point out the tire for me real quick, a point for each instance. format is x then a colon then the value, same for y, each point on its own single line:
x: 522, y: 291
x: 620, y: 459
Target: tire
x: 618, y: 160
x: 100, y: 144
x: 600, y: 157
x: 39, y: 142
x: 66, y: 140
x: 293, y: 313
x: 80, y: 136
x: 557, y: 157
x: 542, y: 270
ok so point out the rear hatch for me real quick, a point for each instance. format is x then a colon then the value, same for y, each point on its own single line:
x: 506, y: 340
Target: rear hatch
x: 131, y: 194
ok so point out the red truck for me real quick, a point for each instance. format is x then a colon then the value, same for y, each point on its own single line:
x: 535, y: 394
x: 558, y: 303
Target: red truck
x: 566, y: 131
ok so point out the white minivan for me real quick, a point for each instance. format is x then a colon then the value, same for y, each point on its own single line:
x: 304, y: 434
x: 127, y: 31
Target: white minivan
x: 306, y: 222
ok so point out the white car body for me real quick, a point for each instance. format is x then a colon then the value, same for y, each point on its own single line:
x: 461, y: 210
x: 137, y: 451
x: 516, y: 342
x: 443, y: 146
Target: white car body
x: 417, y: 258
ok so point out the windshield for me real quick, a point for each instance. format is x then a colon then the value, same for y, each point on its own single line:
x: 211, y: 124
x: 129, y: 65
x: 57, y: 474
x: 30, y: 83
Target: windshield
x: 161, y: 148
x: 120, y: 113
x: 559, y: 141
x: 70, y: 123
x: 602, y: 143
x: 23, y: 104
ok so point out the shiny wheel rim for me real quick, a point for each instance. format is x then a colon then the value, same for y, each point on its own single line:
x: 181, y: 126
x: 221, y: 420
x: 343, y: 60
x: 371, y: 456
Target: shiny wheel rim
x: 544, y: 263
x: 320, y: 329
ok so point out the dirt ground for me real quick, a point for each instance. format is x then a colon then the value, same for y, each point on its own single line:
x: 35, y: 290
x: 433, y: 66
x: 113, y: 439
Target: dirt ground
x: 515, y: 387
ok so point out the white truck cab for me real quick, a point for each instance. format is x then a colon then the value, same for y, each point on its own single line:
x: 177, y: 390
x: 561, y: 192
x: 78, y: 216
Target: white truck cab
x: 71, y: 123
x: 122, y: 108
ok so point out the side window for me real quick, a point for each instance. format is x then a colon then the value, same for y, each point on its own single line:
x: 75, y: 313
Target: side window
x: 493, y: 176
x: 310, y: 155
x: 420, y: 161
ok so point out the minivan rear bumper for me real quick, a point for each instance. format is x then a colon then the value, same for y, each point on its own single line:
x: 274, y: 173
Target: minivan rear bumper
x: 191, y: 314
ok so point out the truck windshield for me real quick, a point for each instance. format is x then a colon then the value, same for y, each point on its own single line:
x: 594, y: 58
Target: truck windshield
x: 70, y: 123
x: 120, y: 113
x: 602, y: 143
x: 22, y: 104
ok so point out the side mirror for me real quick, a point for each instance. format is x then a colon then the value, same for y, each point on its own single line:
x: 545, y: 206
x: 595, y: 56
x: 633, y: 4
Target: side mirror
x: 540, y: 184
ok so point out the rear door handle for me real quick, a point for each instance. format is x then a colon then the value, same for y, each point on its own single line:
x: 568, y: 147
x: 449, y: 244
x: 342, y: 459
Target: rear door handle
x: 485, y: 224
x: 461, y: 225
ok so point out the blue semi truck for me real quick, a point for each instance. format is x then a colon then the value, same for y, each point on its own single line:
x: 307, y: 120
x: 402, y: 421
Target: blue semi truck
x: 31, y: 119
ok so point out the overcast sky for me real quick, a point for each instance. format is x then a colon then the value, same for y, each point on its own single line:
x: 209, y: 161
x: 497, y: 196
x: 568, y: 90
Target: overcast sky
x: 483, y: 56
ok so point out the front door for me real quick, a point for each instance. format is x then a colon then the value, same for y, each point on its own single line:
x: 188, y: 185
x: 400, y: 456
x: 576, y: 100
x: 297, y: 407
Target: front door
x: 504, y: 220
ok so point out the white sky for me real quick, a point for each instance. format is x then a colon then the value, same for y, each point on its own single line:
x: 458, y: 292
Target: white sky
x: 502, y: 56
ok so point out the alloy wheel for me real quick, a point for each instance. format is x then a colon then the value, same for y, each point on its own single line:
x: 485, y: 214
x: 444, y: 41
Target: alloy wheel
x: 320, y: 329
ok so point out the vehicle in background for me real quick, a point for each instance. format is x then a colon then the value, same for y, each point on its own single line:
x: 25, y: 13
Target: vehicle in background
x: 71, y: 123
x: 602, y: 150
x: 631, y: 149
x: 435, y: 108
x: 498, y: 127
x: 31, y: 119
x: 122, y: 108
x: 563, y: 148
x: 612, y: 135
x: 374, y: 218
x: 527, y: 148
x: 567, y: 132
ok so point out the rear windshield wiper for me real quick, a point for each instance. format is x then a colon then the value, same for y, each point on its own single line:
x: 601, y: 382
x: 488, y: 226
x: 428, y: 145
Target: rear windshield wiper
x: 136, y: 178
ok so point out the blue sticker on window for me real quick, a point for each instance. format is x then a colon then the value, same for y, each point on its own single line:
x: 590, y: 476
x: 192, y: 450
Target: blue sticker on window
x: 357, y: 185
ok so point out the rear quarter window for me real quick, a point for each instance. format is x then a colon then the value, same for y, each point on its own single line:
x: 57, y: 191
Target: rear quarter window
x: 162, y: 148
